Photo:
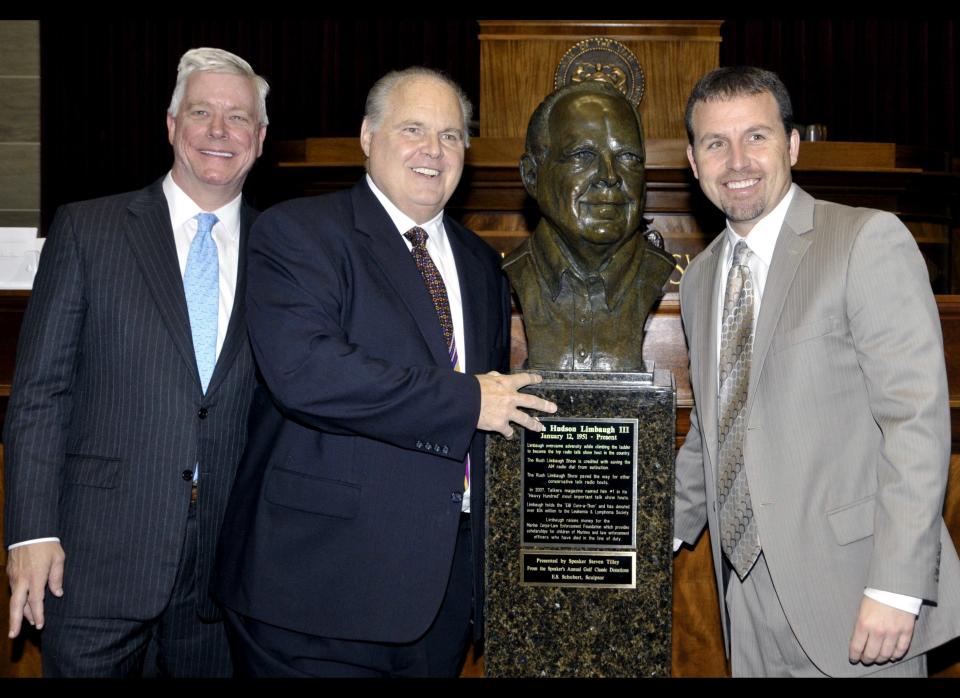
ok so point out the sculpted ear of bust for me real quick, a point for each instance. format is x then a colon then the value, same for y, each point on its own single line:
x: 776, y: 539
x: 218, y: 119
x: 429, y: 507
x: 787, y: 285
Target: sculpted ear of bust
x: 587, y: 277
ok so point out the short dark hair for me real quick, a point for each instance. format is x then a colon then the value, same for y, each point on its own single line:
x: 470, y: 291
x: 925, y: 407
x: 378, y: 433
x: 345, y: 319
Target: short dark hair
x: 737, y: 81
x: 536, y: 142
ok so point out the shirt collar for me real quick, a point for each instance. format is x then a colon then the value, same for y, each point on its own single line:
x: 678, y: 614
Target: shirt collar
x: 402, y: 221
x: 552, y: 262
x: 183, y: 208
x: 762, y: 239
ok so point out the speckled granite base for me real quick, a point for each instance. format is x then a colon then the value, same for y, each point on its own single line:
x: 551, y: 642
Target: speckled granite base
x: 551, y: 631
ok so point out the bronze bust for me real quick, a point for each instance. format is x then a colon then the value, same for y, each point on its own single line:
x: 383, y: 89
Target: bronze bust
x: 589, y: 274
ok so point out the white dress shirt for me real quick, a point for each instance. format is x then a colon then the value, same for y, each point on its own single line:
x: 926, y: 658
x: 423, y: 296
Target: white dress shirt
x: 226, y: 236
x: 438, y: 246
x: 761, y: 240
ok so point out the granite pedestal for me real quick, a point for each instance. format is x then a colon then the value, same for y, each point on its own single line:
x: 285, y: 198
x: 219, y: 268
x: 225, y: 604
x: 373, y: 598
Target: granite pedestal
x: 579, y: 564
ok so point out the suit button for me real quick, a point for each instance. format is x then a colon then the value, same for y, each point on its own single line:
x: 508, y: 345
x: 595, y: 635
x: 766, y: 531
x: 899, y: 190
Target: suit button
x: 456, y: 496
x: 202, y: 413
x: 446, y: 450
x: 436, y: 448
x: 419, y: 444
x: 428, y: 446
x: 187, y: 475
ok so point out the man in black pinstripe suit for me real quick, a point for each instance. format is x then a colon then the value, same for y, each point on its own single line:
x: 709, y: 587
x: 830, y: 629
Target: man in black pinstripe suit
x: 121, y: 447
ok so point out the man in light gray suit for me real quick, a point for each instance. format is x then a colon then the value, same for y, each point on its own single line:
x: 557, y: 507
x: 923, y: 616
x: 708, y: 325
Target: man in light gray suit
x: 819, y: 445
x: 129, y: 405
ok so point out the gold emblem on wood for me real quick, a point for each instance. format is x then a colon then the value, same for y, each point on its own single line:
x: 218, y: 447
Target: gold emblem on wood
x: 604, y: 60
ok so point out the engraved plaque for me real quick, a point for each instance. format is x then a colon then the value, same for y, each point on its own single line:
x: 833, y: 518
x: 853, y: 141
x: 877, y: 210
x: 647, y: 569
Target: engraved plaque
x: 614, y: 570
x: 578, y: 479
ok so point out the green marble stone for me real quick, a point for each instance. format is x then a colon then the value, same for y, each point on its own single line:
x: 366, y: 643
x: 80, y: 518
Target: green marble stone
x: 552, y: 631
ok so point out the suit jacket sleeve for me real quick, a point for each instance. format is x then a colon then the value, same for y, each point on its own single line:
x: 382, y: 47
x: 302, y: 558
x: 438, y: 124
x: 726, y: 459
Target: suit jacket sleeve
x: 298, y: 295
x: 895, y: 327
x: 690, y: 504
x: 41, y: 401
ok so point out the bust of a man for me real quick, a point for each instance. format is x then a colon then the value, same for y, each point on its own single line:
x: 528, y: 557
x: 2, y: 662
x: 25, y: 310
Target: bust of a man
x: 589, y: 274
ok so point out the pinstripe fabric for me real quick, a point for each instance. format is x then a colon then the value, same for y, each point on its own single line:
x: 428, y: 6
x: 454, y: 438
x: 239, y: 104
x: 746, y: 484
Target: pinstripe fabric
x: 105, y: 412
x: 175, y: 645
x: 848, y: 433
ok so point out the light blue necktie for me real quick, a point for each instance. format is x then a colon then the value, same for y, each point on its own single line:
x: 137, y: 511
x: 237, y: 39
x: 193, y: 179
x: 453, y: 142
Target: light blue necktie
x: 201, y: 284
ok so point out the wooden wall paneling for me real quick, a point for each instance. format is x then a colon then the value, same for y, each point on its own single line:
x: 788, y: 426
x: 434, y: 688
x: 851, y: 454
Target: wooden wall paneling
x: 518, y: 61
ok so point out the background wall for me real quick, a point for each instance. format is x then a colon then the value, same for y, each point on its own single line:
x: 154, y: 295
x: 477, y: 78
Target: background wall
x: 106, y: 83
x: 19, y: 123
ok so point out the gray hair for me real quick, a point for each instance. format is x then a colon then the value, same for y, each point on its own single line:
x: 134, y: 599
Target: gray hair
x: 537, y: 141
x: 215, y: 60
x: 376, y: 107
x: 739, y: 81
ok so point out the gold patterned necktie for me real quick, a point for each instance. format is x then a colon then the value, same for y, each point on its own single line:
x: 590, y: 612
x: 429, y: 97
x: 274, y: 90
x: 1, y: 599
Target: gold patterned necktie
x: 438, y: 293
x: 739, y: 539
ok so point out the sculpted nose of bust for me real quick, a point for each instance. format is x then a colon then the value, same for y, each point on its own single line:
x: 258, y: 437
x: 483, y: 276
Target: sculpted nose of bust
x: 607, y: 170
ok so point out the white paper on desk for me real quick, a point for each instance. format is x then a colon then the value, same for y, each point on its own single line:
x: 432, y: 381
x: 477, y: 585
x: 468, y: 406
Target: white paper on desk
x: 17, y: 235
x: 19, y: 257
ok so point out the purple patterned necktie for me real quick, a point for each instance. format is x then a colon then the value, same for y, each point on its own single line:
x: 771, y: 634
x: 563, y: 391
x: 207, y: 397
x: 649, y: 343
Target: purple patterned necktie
x: 738, y: 528
x: 438, y: 293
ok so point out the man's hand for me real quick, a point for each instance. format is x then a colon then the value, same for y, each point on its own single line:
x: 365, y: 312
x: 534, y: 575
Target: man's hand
x: 882, y: 633
x: 500, y: 402
x: 30, y: 568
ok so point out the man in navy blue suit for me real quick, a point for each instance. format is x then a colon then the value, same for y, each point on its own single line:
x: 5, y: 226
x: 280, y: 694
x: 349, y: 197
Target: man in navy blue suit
x: 353, y: 542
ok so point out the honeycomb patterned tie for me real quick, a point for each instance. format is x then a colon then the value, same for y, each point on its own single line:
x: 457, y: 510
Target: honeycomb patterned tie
x: 738, y: 529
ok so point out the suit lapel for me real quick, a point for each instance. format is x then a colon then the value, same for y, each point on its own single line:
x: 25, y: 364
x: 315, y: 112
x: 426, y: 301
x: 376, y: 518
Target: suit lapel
x: 236, y: 334
x: 474, y: 289
x: 792, y: 244
x: 400, y: 270
x: 707, y: 346
x: 151, y: 239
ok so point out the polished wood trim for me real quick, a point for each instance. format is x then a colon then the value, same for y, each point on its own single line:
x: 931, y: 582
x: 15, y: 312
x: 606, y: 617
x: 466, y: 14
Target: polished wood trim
x: 488, y: 152
x: 687, y: 30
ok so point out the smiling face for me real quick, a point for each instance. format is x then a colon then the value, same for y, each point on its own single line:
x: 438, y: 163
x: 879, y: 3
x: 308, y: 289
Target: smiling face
x: 742, y: 156
x: 591, y: 183
x: 216, y: 137
x: 415, y: 155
